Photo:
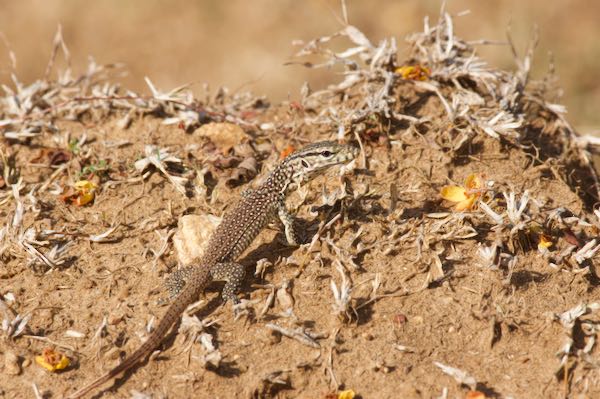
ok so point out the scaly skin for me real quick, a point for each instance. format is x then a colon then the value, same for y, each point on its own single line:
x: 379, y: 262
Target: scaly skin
x: 235, y: 233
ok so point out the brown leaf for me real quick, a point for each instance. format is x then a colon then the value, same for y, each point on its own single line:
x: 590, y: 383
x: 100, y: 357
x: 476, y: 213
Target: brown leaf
x: 571, y: 238
x: 223, y: 135
x: 244, y: 172
x: 52, y: 156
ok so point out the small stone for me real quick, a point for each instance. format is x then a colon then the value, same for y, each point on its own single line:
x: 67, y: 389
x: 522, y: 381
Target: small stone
x: 284, y: 298
x: 192, y: 236
x: 88, y: 283
x: 368, y: 336
x: 11, y: 364
x: 274, y: 337
x: 400, y: 319
x: 115, y: 318
x: 123, y: 292
x: 113, y: 354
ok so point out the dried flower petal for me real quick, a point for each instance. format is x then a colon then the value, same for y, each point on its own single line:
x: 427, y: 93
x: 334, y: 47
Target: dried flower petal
x: 466, y: 204
x: 413, y: 72
x: 84, y: 193
x: 464, y: 196
x: 544, y: 241
x: 475, y: 395
x: 347, y: 394
x: 286, y: 151
x: 52, y: 360
x: 473, y: 182
x: 454, y: 193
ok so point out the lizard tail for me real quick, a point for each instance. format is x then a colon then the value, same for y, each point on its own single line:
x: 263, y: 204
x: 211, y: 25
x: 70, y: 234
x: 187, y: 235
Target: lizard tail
x: 188, y: 295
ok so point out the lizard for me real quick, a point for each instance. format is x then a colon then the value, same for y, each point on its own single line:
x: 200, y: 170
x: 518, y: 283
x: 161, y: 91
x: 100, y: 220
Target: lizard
x: 239, y: 227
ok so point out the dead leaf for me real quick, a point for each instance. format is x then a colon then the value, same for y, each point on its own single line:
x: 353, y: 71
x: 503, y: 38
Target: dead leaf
x: 243, y: 173
x: 224, y: 135
x: 52, y: 156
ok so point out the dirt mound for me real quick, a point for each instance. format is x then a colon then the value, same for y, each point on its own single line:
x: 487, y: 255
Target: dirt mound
x: 401, y: 293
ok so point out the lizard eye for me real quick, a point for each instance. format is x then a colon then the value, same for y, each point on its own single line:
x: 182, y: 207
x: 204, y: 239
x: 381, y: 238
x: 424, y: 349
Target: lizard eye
x: 326, y: 153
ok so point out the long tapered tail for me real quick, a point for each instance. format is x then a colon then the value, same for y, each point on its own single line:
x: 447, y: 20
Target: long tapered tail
x: 189, y: 295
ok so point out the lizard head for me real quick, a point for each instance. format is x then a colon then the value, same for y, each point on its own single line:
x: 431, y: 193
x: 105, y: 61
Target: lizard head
x: 315, y: 158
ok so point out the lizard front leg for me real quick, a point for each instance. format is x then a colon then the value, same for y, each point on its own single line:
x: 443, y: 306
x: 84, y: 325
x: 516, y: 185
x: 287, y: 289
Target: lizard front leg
x: 292, y: 234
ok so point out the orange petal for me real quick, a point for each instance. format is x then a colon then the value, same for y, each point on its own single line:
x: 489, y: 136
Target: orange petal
x: 347, y: 394
x: 85, y: 192
x: 405, y: 71
x: 83, y: 199
x: 466, y: 204
x: 52, y: 360
x: 454, y: 193
x: 413, y: 72
x: 473, y: 181
x: 545, y: 242
x: 286, y: 151
x: 85, y: 186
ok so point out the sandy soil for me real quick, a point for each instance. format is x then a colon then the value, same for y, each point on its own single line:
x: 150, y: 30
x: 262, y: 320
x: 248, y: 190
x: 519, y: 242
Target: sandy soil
x: 421, y: 291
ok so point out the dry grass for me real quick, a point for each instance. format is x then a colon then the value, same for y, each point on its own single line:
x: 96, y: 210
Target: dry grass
x: 395, y: 284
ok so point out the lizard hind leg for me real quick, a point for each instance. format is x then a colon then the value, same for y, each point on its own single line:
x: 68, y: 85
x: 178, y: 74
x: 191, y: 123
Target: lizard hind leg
x: 233, y: 273
x: 177, y: 280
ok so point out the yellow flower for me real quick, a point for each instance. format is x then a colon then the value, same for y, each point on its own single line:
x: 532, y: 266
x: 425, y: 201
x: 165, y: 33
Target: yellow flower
x: 544, y: 242
x: 84, y: 192
x: 466, y: 196
x: 347, y: 394
x: 52, y: 360
x: 413, y: 72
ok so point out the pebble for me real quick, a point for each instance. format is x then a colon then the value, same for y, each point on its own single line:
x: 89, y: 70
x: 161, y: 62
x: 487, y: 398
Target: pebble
x: 11, y: 364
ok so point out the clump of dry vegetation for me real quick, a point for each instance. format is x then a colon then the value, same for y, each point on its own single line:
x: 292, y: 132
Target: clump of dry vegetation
x: 408, y: 274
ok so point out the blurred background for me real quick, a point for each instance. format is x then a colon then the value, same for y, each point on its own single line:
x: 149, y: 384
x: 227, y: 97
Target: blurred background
x: 244, y: 44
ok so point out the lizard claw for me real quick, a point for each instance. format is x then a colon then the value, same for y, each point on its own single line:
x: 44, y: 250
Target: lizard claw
x: 243, y: 307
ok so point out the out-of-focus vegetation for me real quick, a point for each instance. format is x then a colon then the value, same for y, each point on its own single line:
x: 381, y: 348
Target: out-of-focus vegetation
x: 243, y: 45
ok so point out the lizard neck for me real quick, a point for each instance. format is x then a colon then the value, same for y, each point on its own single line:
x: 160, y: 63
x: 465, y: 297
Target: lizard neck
x: 281, y: 180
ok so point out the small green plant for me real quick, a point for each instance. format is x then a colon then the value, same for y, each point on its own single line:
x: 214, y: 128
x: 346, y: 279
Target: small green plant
x: 74, y: 146
x: 94, y: 169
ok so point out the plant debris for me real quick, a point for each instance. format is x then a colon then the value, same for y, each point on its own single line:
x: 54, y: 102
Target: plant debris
x: 52, y: 360
x: 388, y: 280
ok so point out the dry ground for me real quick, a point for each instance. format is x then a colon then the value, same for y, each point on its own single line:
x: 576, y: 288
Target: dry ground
x: 520, y: 322
x: 243, y: 44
